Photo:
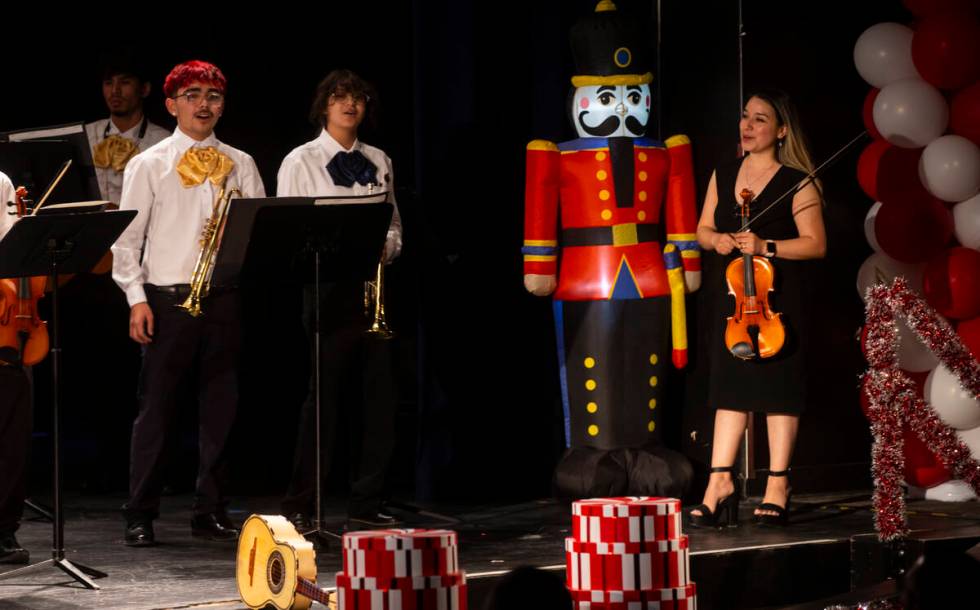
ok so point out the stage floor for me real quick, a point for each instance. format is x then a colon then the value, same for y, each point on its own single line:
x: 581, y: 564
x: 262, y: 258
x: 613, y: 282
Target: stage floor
x: 183, y: 572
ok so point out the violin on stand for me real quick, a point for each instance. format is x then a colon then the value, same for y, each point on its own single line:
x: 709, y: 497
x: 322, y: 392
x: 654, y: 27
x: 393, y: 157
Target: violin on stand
x: 754, y: 330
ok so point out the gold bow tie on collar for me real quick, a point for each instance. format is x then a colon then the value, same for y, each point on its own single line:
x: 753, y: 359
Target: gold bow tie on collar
x: 115, y: 152
x: 199, y: 164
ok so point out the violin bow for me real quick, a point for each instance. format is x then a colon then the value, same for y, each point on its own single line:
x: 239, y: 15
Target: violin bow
x: 809, y: 178
x: 54, y: 183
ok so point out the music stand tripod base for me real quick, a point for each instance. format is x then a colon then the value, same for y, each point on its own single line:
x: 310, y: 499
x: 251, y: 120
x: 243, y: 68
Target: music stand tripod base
x: 50, y: 245
x: 82, y: 574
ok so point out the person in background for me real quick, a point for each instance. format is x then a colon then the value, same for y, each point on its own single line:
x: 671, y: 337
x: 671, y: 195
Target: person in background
x: 126, y: 132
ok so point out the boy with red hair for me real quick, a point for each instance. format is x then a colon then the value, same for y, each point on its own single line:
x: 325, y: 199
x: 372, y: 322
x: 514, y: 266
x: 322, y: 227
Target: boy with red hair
x: 174, y: 187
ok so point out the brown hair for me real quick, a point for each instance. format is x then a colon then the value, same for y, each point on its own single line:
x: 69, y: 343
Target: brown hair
x: 341, y: 82
x: 791, y: 150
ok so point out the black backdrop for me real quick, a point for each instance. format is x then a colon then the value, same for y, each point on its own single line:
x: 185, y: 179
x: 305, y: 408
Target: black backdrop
x: 463, y: 86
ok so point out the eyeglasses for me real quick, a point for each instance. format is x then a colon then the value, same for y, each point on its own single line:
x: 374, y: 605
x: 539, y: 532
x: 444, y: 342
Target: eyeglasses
x: 194, y: 96
x: 358, y: 99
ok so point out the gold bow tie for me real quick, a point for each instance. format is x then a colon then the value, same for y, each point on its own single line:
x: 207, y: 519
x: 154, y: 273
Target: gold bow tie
x: 199, y: 164
x: 115, y: 152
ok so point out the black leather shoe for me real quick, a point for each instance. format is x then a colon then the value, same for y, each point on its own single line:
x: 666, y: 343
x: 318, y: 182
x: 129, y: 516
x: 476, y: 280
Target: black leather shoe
x: 140, y: 533
x: 372, y: 519
x: 213, y: 526
x: 301, y: 521
x: 11, y: 551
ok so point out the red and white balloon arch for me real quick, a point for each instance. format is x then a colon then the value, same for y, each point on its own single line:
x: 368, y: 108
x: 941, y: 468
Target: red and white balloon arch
x: 922, y: 173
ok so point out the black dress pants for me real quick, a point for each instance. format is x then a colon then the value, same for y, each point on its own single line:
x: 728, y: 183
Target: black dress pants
x: 15, y: 441
x: 205, y: 348
x: 356, y: 377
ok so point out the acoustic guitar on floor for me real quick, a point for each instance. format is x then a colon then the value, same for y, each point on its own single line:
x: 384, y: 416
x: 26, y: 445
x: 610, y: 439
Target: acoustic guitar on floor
x: 277, y: 566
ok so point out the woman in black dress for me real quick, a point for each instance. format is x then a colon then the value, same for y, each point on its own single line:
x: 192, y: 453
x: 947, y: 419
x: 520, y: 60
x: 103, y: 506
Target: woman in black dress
x: 775, y: 160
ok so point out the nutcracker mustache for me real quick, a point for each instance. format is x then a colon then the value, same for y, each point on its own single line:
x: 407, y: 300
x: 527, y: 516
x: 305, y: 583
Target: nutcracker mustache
x: 608, y: 127
x: 634, y: 126
x: 605, y: 128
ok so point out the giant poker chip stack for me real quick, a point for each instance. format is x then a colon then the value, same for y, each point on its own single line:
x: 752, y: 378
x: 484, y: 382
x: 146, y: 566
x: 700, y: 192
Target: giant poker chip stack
x: 401, y: 569
x: 628, y: 554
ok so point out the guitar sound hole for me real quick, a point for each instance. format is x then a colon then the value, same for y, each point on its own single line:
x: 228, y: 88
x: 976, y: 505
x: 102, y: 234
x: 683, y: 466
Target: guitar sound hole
x: 276, y: 572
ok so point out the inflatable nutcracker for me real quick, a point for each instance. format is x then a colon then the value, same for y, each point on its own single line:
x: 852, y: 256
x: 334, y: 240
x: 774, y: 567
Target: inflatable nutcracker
x: 609, y: 231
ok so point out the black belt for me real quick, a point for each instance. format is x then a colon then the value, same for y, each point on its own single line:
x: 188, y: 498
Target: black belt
x: 626, y: 234
x: 182, y: 290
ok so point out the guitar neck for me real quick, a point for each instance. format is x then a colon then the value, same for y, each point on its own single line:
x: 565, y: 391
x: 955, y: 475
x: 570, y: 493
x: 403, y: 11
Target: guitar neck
x: 309, y: 589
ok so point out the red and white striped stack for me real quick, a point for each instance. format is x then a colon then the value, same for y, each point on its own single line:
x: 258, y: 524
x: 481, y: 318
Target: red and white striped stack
x: 628, y: 554
x: 401, y: 569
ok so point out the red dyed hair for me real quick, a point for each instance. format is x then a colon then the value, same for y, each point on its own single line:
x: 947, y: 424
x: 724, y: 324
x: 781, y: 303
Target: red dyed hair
x: 193, y: 71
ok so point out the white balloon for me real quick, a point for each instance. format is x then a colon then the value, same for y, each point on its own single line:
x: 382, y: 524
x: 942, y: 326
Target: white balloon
x: 951, y: 491
x: 966, y: 222
x: 957, y: 407
x: 913, y: 354
x: 971, y: 438
x: 883, y: 54
x: 869, y: 227
x: 949, y: 168
x: 910, y: 113
x: 880, y: 268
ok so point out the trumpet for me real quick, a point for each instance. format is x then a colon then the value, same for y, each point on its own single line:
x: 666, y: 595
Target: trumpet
x: 374, y: 305
x: 210, y: 240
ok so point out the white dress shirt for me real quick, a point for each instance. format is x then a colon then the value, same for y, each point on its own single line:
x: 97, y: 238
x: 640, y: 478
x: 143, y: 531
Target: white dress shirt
x: 303, y: 173
x: 7, y: 220
x: 170, y: 217
x: 110, y: 181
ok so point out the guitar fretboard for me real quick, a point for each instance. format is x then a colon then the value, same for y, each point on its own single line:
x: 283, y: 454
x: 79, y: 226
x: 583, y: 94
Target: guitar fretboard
x: 309, y: 589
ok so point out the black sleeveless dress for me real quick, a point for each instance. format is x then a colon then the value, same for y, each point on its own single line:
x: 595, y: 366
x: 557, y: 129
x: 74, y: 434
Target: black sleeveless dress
x: 772, y: 385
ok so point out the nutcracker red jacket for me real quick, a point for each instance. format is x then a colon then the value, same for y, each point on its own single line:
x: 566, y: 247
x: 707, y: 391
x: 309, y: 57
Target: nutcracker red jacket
x: 608, y: 250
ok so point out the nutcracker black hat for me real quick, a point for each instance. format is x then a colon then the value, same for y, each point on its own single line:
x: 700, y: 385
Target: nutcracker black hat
x: 610, y: 48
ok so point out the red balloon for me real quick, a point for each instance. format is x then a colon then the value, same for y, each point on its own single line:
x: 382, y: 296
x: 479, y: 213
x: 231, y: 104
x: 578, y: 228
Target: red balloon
x: 964, y: 113
x: 946, y: 49
x: 898, y: 177
x: 867, y: 114
x: 919, y: 379
x: 951, y: 282
x: 922, y: 467
x: 867, y: 170
x: 865, y: 402
x: 969, y: 332
x: 913, y: 231
x: 925, y: 8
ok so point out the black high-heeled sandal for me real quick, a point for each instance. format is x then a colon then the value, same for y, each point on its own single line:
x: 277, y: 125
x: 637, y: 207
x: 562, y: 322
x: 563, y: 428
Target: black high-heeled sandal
x: 726, y: 510
x: 781, y: 518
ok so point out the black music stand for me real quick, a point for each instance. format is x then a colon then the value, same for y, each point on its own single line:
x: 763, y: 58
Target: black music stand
x: 325, y: 238
x: 52, y: 244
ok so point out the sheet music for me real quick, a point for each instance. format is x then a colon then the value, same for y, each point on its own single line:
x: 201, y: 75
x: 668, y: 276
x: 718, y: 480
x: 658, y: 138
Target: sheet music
x: 380, y: 197
x: 46, y: 132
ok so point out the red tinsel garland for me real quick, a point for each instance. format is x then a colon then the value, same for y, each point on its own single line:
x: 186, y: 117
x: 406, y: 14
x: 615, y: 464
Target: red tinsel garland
x: 893, y: 399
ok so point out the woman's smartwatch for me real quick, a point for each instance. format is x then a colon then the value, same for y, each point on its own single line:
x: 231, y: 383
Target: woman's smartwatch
x: 770, y: 249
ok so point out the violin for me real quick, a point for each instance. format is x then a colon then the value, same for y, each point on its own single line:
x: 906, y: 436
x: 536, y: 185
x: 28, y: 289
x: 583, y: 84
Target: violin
x: 21, y: 328
x: 753, y: 330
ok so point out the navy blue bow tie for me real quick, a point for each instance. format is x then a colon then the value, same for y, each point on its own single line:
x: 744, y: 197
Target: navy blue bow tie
x: 347, y: 168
